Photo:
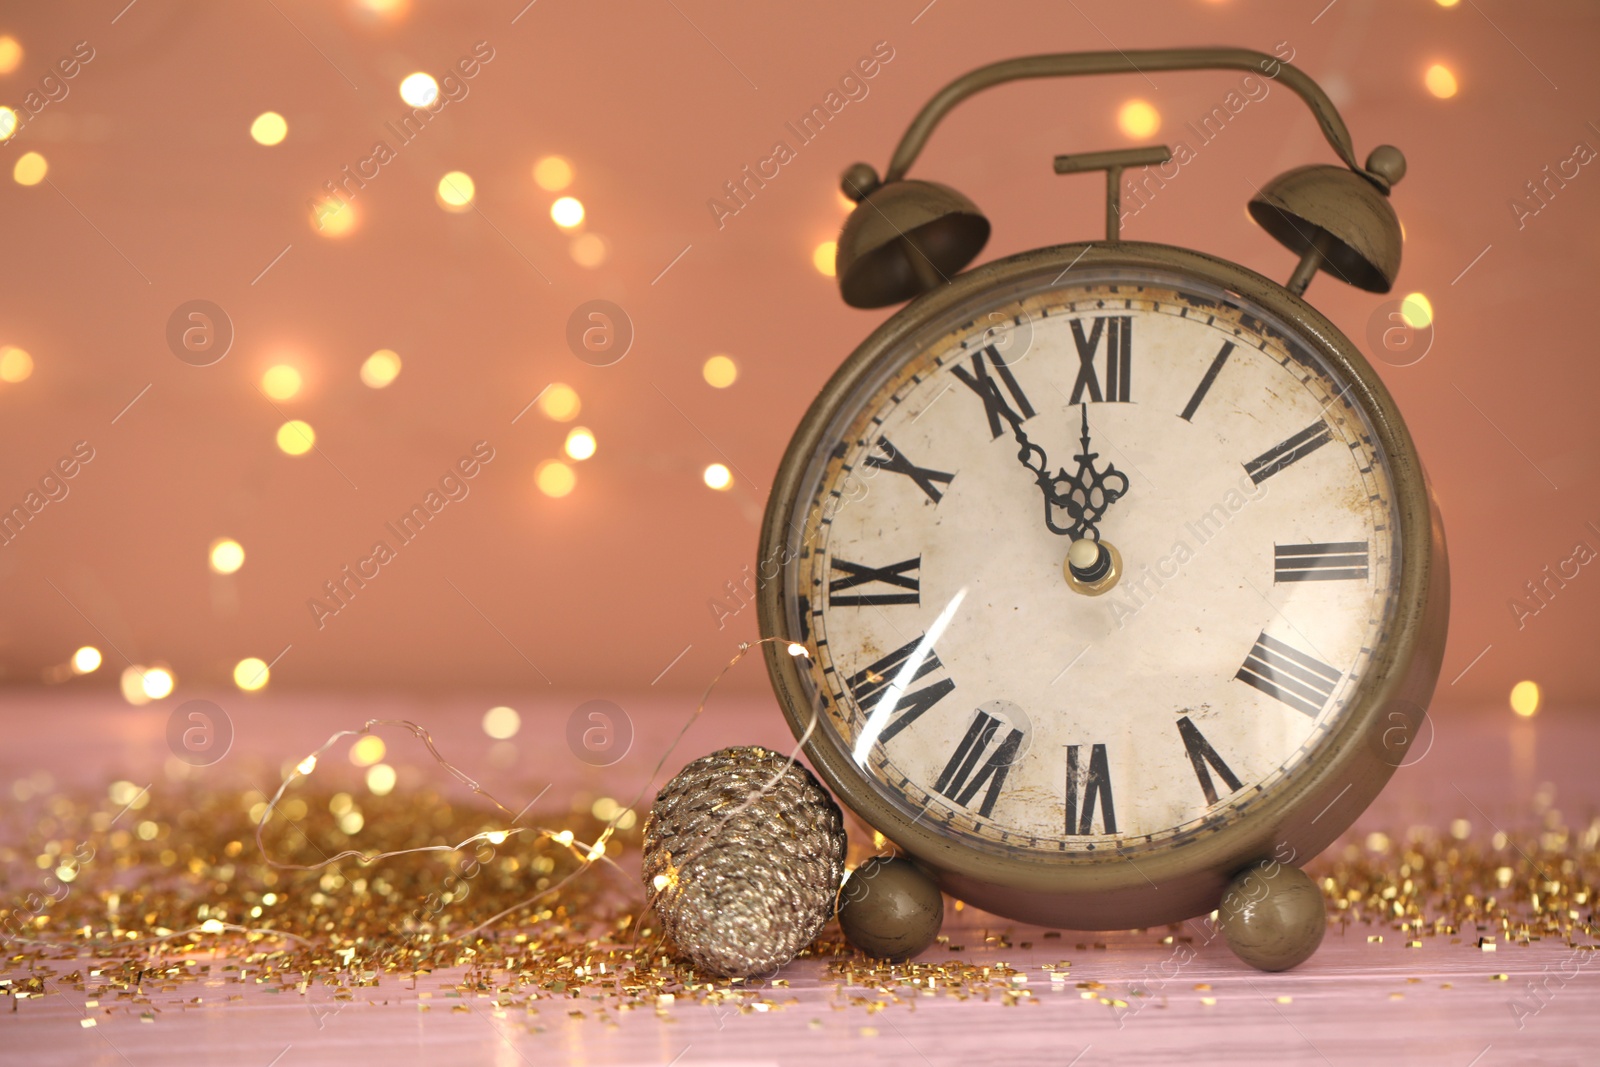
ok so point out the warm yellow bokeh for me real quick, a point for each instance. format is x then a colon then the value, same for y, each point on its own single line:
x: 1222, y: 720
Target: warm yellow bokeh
x: 552, y: 174
x: 30, y: 169
x: 269, y: 129
x: 380, y: 368
x: 555, y: 478
x: 419, y: 89
x: 8, y: 123
x: 10, y: 54
x: 580, y: 443
x: 825, y: 256
x: 501, y: 723
x: 560, y: 402
x: 1441, y: 81
x: 86, y: 660
x: 1138, y: 118
x: 157, y: 683
x: 1525, y: 699
x: 588, y: 250
x: 227, y: 555
x: 281, y: 381
x: 367, y: 751
x: 456, y: 191
x: 251, y: 674
x: 567, y: 212
x: 132, y: 685
x: 334, y: 218
x: 381, y: 779
x: 296, y: 437
x: 1417, y: 310
x: 720, y: 371
x: 718, y: 476
x: 16, y: 365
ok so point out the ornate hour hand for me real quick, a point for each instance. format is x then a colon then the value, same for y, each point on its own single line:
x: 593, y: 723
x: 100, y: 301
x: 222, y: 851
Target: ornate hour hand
x: 1085, y: 494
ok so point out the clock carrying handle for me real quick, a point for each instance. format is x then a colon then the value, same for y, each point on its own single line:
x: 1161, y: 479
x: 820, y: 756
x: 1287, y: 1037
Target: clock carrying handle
x: 1068, y: 64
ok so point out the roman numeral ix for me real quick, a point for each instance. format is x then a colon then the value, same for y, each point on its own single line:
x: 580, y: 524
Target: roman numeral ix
x: 871, y: 683
x: 958, y: 782
x: 994, y: 404
x: 1200, y: 755
x: 1285, y: 673
x: 1118, y: 331
x: 1087, y: 786
x: 927, y: 479
x: 1287, y: 452
x: 1319, y: 563
x: 856, y: 574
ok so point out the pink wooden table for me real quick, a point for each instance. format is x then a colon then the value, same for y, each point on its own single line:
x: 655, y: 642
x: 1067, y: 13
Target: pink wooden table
x: 1355, y: 1002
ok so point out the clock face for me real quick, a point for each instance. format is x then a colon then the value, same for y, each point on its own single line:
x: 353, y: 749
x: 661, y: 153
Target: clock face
x: 990, y: 699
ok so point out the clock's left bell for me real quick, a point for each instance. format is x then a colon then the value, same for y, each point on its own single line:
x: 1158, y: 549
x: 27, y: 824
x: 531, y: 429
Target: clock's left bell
x: 903, y: 238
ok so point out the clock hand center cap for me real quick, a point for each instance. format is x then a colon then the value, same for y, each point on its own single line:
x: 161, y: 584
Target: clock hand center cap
x: 1092, y: 567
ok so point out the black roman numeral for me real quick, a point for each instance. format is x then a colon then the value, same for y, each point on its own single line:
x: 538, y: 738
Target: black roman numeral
x: 994, y: 404
x: 1285, y: 673
x: 927, y: 479
x: 893, y: 574
x: 1092, y: 784
x: 1206, y: 381
x: 958, y: 782
x: 870, y: 684
x: 1118, y: 331
x: 1284, y: 453
x: 1200, y: 754
x: 1320, y: 563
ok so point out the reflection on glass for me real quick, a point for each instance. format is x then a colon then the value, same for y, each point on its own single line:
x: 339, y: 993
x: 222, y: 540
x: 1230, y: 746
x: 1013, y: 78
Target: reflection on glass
x: 883, y: 712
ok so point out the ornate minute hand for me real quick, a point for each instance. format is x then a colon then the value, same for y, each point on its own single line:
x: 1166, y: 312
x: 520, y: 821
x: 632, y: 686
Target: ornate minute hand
x: 1084, y: 495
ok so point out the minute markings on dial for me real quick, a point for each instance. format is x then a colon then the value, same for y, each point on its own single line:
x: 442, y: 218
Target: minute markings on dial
x: 1284, y: 673
x: 893, y: 575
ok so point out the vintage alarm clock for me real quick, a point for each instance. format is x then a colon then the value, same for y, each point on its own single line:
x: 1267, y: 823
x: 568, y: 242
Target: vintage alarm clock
x: 1116, y: 574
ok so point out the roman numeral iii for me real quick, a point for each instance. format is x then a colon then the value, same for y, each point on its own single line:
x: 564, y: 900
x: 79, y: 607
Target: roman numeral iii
x: 1089, y: 785
x: 1118, y: 332
x: 1205, y: 759
x: 870, y: 684
x: 927, y: 479
x: 1320, y: 563
x: 893, y: 575
x: 1285, y: 673
x: 994, y: 404
x: 958, y: 780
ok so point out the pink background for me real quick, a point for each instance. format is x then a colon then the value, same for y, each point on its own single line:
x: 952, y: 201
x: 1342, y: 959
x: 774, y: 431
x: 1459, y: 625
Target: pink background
x: 156, y: 195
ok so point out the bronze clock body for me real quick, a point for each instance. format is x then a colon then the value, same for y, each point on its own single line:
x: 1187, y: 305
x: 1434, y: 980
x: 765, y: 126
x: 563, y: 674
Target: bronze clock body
x: 1150, y: 881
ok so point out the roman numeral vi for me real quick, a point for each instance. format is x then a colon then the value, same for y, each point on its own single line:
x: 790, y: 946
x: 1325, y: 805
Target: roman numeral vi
x: 1088, y: 783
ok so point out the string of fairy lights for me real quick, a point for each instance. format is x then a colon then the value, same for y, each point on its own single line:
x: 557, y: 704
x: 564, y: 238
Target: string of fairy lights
x: 555, y: 177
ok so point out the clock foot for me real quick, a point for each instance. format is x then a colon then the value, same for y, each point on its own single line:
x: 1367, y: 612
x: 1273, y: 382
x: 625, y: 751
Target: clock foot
x: 1273, y: 916
x: 889, y: 909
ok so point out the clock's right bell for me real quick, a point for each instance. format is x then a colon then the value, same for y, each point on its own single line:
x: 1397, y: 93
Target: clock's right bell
x: 1341, y: 214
